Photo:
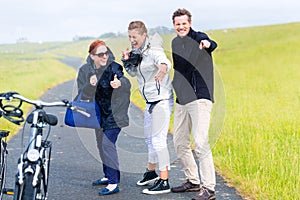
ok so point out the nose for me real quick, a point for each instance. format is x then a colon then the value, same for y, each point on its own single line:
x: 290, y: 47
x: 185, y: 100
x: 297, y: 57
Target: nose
x: 131, y: 40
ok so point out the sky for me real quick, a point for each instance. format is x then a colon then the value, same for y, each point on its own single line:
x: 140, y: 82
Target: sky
x: 62, y: 20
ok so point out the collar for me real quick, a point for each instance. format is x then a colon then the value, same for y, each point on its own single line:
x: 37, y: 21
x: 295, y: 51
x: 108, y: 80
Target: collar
x: 145, y: 46
x: 190, y: 34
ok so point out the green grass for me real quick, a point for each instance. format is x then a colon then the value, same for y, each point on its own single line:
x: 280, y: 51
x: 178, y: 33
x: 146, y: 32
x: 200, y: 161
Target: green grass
x: 258, y: 150
x: 256, y: 144
x: 30, y: 70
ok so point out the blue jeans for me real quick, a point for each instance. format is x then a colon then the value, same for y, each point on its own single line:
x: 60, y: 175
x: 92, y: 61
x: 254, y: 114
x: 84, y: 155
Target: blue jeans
x: 108, y: 152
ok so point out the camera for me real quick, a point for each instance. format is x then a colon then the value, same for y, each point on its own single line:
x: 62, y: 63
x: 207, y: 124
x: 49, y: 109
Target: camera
x: 135, y: 58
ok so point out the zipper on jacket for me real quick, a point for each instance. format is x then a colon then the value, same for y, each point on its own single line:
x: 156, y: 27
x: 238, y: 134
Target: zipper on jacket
x: 157, y: 84
x: 143, y: 90
x: 194, y: 82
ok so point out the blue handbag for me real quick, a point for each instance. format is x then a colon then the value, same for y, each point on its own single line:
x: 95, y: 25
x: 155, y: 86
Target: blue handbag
x: 77, y: 119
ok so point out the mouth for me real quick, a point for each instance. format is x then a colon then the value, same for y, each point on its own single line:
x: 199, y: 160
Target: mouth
x: 134, y: 44
x: 181, y: 31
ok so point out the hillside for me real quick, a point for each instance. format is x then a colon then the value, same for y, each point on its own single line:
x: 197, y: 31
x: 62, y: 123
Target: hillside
x: 258, y: 149
x: 256, y: 120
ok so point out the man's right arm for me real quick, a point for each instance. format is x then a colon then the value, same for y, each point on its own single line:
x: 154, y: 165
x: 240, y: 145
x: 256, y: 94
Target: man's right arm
x: 204, y: 37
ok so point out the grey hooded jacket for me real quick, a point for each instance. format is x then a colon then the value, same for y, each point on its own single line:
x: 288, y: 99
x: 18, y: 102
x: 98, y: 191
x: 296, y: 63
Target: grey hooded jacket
x: 152, y: 52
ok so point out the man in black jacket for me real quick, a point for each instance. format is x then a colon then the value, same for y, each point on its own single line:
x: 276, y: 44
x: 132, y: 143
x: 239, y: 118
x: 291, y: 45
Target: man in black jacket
x: 194, y: 86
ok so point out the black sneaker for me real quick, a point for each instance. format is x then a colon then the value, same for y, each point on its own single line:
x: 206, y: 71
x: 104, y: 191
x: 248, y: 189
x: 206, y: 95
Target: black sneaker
x: 160, y: 187
x: 149, y: 177
x: 205, y: 194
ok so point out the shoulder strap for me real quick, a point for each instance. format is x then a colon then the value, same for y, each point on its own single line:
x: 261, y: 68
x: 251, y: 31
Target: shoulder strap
x: 78, y: 96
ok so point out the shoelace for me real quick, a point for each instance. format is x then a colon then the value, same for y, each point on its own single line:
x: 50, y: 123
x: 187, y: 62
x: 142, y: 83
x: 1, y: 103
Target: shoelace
x: 202, y: 191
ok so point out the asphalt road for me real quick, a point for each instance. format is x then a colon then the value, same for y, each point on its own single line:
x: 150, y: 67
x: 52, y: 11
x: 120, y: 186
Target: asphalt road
x: 75, y: 161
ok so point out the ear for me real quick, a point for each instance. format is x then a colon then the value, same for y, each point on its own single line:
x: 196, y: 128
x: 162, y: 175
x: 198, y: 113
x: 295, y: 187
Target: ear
x: 144, y: 35
x: 92, y: 56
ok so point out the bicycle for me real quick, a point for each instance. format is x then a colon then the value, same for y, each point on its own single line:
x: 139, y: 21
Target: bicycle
x: 15, y: 115
x: 34, y: 163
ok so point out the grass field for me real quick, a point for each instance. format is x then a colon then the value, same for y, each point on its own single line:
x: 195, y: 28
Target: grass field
x: 256, y: 144
x: 30, y: 70
x: 259, y: 146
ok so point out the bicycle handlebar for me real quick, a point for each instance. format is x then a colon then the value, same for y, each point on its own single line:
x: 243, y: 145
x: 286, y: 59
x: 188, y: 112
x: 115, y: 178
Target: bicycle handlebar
x: 38, y: 103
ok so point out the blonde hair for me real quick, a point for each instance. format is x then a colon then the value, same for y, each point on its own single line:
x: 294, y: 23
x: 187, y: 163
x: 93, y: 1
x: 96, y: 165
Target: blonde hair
x: 139, y: 25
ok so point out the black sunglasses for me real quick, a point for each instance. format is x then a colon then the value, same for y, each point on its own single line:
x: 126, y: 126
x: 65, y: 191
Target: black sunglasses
x: 101, y: 55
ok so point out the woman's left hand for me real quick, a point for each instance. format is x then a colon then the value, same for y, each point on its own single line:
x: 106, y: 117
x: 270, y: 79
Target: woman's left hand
x: 115, y: 83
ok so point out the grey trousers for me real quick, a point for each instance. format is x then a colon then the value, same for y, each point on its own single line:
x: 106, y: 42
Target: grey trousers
x: 194, y: 117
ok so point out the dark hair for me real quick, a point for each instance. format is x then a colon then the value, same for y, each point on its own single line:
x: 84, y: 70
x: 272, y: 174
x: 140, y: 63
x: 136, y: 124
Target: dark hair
x: 138, y: 25
x: 180, y: 12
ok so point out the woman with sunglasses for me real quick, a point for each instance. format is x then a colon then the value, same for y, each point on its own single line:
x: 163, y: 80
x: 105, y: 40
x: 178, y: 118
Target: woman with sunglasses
x: 103, y: 79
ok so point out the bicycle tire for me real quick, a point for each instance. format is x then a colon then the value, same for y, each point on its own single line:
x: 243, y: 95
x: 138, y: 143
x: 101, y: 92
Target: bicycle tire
x: 25, y: 191
x: 48, y: 150
x: 3, y: 168
x: 41, y: 187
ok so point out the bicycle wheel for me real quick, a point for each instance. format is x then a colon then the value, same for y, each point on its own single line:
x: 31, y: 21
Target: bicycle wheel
x: 3, y: 167
x: 41, y: 192
x: 46, y: 165
x: 25, y: 191
x: 42, y: 187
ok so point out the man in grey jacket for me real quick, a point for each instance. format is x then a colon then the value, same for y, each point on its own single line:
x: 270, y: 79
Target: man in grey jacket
x: 148, y: 62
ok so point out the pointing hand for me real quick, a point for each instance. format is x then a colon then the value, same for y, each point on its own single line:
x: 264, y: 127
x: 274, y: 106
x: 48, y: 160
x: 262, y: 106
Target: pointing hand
x: 125, y: 54
x: 204, y: 44
x: 162, y: 71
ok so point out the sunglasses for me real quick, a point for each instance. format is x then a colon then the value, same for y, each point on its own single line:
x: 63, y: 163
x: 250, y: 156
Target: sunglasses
x: 101, y: 55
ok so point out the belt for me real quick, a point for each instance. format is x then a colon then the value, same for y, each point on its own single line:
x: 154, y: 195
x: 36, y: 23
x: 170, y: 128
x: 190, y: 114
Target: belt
x: 152, y: 105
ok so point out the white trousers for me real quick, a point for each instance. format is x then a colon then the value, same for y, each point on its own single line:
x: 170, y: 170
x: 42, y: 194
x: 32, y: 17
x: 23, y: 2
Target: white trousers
x: 156, y: 125
x: 194, y: 117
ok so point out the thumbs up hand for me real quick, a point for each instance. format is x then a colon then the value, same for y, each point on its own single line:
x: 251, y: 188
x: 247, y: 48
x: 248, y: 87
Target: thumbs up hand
x: 93, y: 80
x: 115, y: 83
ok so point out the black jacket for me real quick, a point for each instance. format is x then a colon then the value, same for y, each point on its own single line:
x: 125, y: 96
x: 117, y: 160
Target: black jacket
x: 193, y: 68
x: 113, y: 103
x: 110, y: 118
x: 84, y: 74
